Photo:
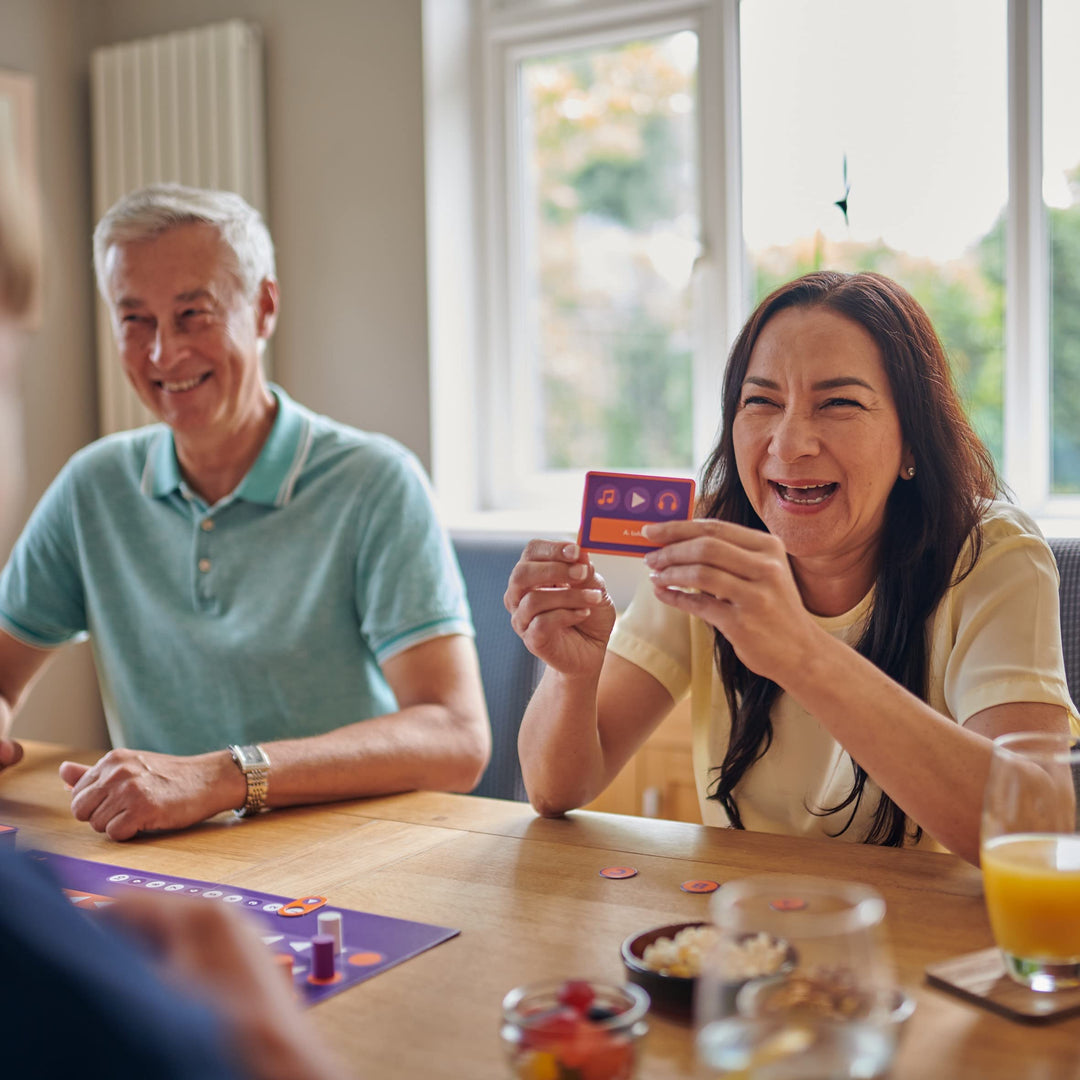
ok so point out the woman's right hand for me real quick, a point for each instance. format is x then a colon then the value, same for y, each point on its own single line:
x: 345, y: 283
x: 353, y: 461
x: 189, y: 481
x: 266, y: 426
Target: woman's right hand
x: 560, y: 608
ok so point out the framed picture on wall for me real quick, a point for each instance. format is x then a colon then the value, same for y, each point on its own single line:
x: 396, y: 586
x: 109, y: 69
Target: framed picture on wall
x: 18, y: 157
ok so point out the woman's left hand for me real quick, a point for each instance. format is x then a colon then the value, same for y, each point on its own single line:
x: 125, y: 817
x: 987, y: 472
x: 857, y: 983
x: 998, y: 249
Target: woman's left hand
x: 745, y: 589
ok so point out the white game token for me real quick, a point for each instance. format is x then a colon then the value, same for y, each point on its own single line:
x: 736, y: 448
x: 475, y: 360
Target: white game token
x: 330, y: 923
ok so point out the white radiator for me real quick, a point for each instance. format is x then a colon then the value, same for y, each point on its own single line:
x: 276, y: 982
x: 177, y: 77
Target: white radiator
x: 186, y: 107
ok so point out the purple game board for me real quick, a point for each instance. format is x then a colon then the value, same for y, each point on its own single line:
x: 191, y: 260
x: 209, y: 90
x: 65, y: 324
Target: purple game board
x: 372, y: 943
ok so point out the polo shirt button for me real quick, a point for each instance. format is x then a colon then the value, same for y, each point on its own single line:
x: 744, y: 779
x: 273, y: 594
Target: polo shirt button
x: 204, y: 565
x: 207, y: 525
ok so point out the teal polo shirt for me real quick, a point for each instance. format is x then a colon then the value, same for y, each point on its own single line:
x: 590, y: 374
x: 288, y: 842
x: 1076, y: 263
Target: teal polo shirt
x: 265, y: 616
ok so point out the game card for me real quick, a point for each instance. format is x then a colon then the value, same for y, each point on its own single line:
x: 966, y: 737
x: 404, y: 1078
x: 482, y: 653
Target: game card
x: 617, y: 505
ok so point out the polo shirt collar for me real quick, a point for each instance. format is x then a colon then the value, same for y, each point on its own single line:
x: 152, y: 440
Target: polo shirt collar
x: 270, y: 481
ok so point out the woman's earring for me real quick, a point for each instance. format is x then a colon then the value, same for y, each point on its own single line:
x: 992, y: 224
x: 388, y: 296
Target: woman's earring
x: 911, y: 472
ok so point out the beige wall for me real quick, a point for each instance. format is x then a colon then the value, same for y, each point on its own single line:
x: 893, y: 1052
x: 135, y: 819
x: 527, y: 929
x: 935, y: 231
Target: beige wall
x: 344, y: 104
x: 46, y: 39
x: 344, y: 107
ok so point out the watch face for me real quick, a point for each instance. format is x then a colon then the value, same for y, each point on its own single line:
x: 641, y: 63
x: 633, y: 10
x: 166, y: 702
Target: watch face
x: 251, y: 757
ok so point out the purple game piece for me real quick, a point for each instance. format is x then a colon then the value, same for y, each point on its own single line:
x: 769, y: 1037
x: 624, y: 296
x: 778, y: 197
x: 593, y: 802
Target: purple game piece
x: 322, y: 956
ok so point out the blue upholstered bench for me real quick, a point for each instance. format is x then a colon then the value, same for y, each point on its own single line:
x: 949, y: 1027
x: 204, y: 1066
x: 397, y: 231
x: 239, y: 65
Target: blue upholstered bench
x: 510, y: 672
x: 1067, y: 553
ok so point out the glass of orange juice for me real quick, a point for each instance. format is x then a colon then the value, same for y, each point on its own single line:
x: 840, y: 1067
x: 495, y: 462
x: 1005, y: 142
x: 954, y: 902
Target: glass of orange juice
x: 1031, y: 857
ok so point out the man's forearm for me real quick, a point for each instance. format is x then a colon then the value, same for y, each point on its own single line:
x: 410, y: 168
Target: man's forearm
x: 421, y: 747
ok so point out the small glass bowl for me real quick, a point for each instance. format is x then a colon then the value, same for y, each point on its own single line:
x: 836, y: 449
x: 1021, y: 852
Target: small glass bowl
x: 545, y: 1039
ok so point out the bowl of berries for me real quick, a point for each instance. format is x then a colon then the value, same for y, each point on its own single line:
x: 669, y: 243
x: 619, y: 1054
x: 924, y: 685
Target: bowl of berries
x: 574, y: 1029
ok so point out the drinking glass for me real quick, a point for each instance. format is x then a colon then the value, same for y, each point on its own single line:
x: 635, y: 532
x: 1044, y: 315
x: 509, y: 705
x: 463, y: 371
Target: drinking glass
x: 800, y: 985
x: 1031, y: 857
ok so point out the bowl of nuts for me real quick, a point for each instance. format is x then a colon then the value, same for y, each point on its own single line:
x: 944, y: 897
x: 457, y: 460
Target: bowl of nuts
x: 666, y: 962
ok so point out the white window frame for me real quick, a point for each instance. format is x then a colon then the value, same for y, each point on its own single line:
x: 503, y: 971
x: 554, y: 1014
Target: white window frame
x: 1027, y: 451
x: 476, y: 297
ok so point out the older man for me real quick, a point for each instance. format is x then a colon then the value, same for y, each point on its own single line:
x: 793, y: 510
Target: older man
x: 275, y: 613
x: 163, y: 988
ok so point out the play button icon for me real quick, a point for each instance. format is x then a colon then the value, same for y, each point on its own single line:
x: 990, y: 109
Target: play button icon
x: 637, y: 499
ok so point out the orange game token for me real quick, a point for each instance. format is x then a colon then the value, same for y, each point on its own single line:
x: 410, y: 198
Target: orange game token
x: 302, y: 906
x: 284, y: 964
x: 335, y: 978
x: 788, y: 903
x: 366, y: 959
x: 617, y: 872
x: 700, y: 886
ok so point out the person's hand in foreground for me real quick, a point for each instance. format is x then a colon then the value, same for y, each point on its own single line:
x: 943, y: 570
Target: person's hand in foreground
x: 11, y: 753
x: 211, y: 950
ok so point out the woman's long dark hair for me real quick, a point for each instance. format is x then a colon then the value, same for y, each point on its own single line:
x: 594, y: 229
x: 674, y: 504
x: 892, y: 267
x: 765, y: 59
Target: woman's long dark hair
x: 927, y: 519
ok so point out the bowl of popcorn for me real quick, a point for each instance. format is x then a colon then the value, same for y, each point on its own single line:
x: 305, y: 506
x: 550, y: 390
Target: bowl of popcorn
x: 666, y: 962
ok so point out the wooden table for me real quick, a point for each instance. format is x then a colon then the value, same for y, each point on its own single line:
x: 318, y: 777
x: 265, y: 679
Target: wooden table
x: 530, y: 905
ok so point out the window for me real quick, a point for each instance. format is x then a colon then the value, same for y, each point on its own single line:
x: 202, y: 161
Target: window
x: 1061, y: 193
x: 897, y: 161
x: 646, y: 170
x: 604, y: 323
x: 611, y: 227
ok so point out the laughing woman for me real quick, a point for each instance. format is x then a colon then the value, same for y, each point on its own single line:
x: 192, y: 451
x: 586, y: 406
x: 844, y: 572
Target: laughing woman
x: 853, y: 613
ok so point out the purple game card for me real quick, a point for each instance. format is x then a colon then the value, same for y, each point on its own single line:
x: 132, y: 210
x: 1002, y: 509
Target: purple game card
x: 617, y: 505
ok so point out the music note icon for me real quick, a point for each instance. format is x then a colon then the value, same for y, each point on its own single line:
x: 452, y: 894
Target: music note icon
x: 607, y: 497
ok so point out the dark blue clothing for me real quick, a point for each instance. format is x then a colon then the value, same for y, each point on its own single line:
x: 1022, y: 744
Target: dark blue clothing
x: 77, y: 999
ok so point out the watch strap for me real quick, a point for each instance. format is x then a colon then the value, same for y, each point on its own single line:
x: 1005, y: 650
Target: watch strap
x: 255, y: 765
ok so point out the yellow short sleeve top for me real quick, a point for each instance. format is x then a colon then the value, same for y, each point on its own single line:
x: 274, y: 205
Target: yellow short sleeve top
x: 995, y: 638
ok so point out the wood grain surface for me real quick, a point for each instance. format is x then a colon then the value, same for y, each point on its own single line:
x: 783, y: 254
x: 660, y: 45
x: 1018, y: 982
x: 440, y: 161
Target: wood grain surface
x: 528, y: 899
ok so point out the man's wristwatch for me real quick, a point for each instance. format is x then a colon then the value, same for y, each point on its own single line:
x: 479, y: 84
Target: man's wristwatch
x: 255, y: 765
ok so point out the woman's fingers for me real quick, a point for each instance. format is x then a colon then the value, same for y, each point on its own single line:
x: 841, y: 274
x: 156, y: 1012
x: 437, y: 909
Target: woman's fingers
x: 545, y: 630
x: 547, y: 564
x: 672, y: 532
x: 544, y: 601
x: 709, y: 581
x: 742, y: 552
x: 706, y: 552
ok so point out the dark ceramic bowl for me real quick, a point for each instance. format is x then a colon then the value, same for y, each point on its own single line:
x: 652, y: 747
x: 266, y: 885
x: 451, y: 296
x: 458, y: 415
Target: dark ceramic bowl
x: 672, y: 995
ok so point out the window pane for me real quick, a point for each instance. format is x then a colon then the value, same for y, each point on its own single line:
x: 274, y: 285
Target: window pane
x: 901, y: 110
x: 611, y: 207
x: 1061, y: 191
